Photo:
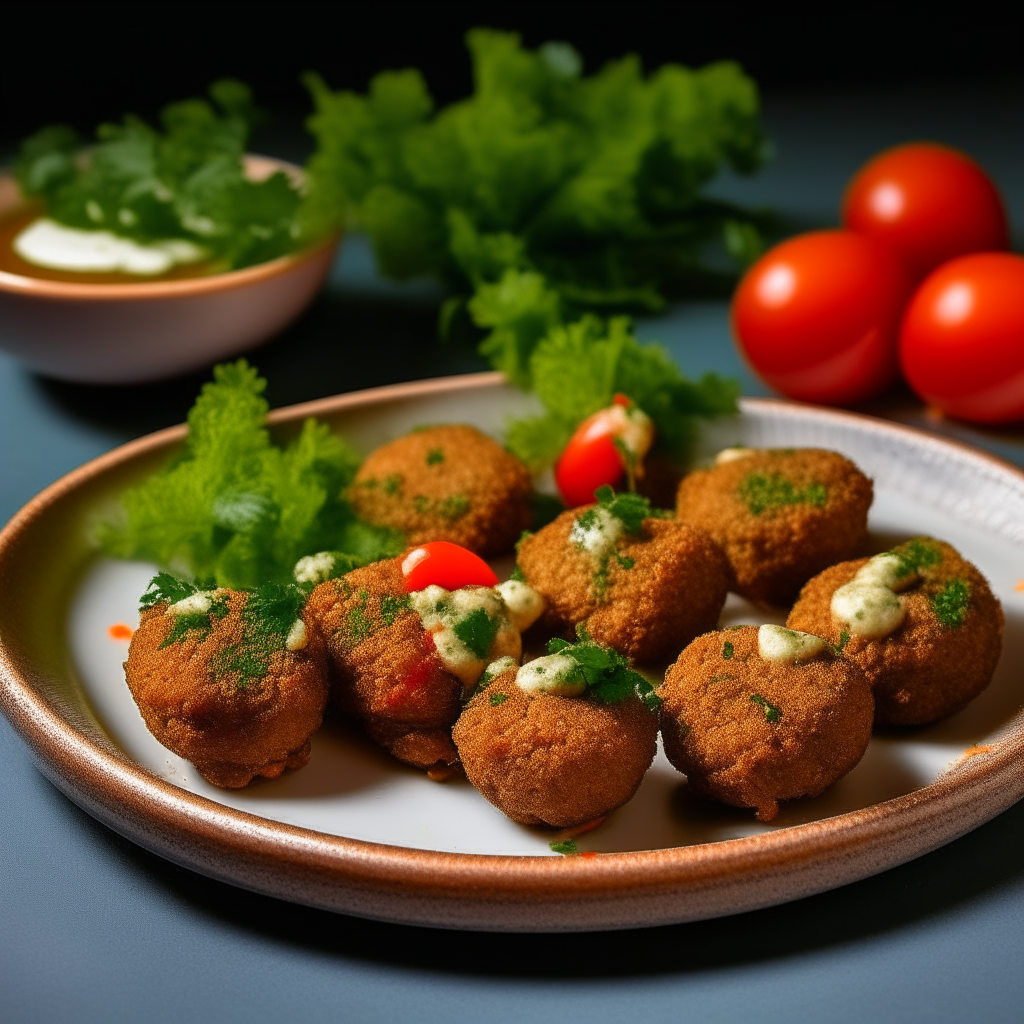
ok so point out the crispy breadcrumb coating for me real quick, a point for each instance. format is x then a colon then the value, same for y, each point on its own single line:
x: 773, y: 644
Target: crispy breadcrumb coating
x: 750, y: 732
x: 446, y: 483
x: 781, y: 515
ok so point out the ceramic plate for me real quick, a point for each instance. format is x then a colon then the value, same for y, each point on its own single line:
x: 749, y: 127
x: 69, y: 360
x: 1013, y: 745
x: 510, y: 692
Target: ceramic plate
x: 357, y: 832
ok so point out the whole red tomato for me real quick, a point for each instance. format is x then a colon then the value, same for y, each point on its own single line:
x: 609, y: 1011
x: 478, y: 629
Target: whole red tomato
x: 818, y: 315
x: 962, y: 340
x: 444, y: 564
x: 930, y: 203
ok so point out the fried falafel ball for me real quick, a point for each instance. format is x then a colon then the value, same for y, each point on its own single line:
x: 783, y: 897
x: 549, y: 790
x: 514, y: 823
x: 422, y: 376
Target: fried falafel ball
x: 781, y: 515
x: 645, y: 586
x: 756, y: 715
x: 920, y: 621
x: 232, y: 681
x: 544, y: 752
x: 402, y: 661
x: 446, y: 483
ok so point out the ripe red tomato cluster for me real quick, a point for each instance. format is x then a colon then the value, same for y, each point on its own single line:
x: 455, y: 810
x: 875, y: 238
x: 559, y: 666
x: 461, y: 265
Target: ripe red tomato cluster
x: 919, y: 279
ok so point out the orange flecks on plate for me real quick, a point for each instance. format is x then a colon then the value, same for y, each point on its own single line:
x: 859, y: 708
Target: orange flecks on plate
x: 590, y: 853
x: 978, y: 748
x: 120, y: 631
x: 1019, y: 586
x: 442, y: 772
x: 578, y: 830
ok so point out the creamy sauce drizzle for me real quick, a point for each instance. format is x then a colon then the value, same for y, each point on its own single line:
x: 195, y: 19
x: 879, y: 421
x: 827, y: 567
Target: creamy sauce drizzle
x: 596, y: 533
x: 868, y: 605
x: 776, y: 643
x: 556, y: 674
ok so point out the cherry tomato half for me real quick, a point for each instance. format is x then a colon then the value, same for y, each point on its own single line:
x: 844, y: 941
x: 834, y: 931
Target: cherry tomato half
x: 445, y: 565
x: 818, y: 315
x: 930, y: 203
x: 962, y: 340
x: 594, y: 455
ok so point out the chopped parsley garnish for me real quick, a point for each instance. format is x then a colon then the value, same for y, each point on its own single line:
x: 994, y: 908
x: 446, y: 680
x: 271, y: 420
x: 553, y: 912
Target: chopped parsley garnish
x: 455, y: 506
x: 844, y: 639
x: 722, y: 677
x: 420, y: 503
x: 772, y: 713
x: 268, y: 615
x: 391, y: 607
x: 392, y: 484
x: 951, y: 603
x: 497, y: 698
x: 566, y: 847
x: 762, y: 491
x: 630, y: 509
x: 915, y: 555
x: 517, y: 574
x: 357, y: 624
x: 625, y: 561
x: 607, y: 674
x: 727, y: 649
x: 477, y: 631
x: 435, y: 457
x: 165, y: 588
x: 200, y: 622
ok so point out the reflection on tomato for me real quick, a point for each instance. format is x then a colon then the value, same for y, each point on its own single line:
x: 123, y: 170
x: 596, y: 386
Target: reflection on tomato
x: 447, y: 565
x: 597, y: 452
x: 962, y: 340
x: 930, y: 203
x: 817, y: 316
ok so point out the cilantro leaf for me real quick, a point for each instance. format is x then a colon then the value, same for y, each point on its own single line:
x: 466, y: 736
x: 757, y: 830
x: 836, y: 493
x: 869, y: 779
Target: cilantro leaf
x: 607, y: 674
x: 166, y: 588
x: 630, y: 509
x: 951, y: 603
x: 477, y: 631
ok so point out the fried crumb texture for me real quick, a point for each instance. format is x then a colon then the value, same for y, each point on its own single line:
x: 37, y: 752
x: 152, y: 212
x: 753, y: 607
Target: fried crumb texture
x: 781, y: 515
x: 232, y: 729
x: 449, y: 483
x: 559, y: 761
x: 749, y: 732
x: 385, y: 668
x: 926, y: 669
x: 656, y: 592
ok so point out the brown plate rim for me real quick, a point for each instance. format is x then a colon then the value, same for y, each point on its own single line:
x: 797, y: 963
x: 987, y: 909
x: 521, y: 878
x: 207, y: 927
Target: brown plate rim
x: 491, y: 891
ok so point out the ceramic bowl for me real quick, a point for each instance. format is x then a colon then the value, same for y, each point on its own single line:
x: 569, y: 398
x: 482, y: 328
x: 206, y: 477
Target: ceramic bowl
x: 133, y: 333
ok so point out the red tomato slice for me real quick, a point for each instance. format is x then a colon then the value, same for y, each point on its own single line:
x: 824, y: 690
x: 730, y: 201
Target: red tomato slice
x: 590, y: 460
x: 929, y: 203
x: 962, y: 340
x: 817, y: 316
x: 443, y: 564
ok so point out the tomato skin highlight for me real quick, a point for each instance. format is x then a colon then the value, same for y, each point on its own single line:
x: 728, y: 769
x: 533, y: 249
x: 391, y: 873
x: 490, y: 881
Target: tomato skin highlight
x: 929, y: 203
x: 590, y: 460
x: 817, y: 317
x: 962, y: 340
x: 447, y: 565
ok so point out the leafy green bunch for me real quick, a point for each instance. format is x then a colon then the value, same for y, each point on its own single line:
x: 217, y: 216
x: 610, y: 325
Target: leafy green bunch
x: 594, y: 182
x: 577, y: 368
x: 607, y: 674
x: 186, y: 181
x: 234, y: 508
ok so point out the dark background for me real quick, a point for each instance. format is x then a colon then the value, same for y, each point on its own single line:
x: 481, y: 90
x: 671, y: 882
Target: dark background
x: 85, y: 63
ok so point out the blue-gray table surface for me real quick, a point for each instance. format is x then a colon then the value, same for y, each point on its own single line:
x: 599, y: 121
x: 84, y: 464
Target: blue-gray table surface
x: 92, y: 928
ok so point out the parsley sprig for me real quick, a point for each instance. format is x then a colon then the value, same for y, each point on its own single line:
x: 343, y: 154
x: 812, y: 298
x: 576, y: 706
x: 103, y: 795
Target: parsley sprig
x: 607, y: 674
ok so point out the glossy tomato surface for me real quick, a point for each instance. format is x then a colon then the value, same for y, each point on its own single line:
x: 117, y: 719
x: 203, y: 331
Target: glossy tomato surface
x: 817, y: 316
x: 590, y: 460
x: 444, y: 564
x: 928, y: 202
x: 962, y: 340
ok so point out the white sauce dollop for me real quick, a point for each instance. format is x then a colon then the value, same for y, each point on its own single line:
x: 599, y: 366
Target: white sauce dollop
x: 596, y: 532
x: 633, y: 428
x: 194, y: 604
x: 776, y: 643
x: 297, y: 636
x: 314, y: 568
x: 868, y: 604
x: 442, y: 610
x: 522, y: 603
x: 556, y: 674
x: 49, y: 244
x: 732, y: 454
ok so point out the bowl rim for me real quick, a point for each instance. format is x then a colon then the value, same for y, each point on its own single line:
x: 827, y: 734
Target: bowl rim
x: 43, y: 288
x: 491, y: 892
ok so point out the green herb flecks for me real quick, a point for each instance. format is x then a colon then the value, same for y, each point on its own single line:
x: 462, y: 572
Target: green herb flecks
x: 952, y: 602
x: 566, y: 847
x: 235, y: 508
x: 722, y: 677
x: 391, y: 607
x: 270, y: 612
x: 358, y: 625
x: 477, y: 631
x: 915, y: 555
x: 630, y: 509
x: 517, y: 574
x: 607, y: 674
x: 454, y: 507
x: 184, y: 182
x: 762, y: 491
x: 195, y: 622
x: 165, y: 588
x: 435, y: 457
x: 392, y: 484
x: 727, y: 650
x: 625, y: 561
x: 844, y: 639
x: 497, y: 698
x: 772, y: 713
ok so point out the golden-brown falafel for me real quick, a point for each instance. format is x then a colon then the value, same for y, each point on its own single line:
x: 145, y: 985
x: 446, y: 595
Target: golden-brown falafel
x: 227, y: 694
x: 750, y: 732
x: 446, y: 483
x: 946, y: 649
x: 781, y: 515
x: 545, y: 759
x: 647, y: 597
x: 386, y: 669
